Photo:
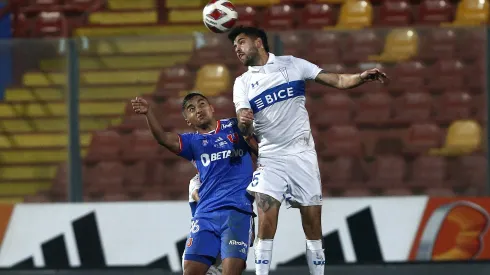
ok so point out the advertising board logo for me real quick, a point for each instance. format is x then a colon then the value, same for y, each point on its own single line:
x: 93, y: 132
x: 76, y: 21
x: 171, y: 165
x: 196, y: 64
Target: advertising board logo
x: 452, y: 231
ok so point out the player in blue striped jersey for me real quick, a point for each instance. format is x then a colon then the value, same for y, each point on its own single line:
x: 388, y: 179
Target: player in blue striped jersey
x: 222, y: 222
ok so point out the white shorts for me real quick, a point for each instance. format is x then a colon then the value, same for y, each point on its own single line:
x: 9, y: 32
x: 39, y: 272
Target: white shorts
x: 294, y: 178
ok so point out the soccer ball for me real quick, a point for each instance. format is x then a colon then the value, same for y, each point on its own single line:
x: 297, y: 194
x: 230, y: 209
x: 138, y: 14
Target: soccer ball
x: 219, y: 16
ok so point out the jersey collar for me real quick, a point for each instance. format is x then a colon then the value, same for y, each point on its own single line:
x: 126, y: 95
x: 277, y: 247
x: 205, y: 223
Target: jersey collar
x: 270, y: 60
x: 215, y: 131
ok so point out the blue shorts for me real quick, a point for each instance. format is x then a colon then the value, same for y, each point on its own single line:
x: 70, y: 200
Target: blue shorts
x: 225, y: 231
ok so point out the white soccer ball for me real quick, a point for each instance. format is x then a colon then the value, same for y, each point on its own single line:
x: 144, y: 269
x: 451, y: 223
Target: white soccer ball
x: 219, y: 16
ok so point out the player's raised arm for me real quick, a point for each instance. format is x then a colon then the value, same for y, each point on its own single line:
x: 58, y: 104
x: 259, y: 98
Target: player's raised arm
x: 349, y: 81
x: 167, y: 139
x: 243, y: 109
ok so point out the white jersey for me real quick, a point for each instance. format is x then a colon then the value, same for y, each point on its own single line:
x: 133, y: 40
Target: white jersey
x: 194, y: 184
x: 276, y: 94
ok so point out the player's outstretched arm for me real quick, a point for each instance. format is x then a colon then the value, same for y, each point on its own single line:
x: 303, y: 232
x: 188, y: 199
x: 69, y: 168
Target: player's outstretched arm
x: 167, y: 139
x: 349, y: 81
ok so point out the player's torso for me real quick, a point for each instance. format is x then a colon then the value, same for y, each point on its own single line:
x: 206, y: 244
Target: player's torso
x: 224, y: 164
x: 276, y: 94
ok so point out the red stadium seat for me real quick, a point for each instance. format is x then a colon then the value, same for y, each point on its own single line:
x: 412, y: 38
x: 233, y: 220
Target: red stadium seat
x: 105, y: 177
x: 279, y: 17
x: 438, y: 43
x: 421, y: 137
x: 105, y: 146
x: 450, y: 75
x: 51, y: 24
x: 293, y: 43
x: 334, y: 109
x: 434, y: 12
x: 83, y: 5
x: 413, y: 107
x: 428, y: 171
x: 374, y: 109
x: 342, y: 141
x: 453, y: 105
x: 135, y: 176
x: 469, y: 171
x: 387, y: 171
x: 409, y: 76
x: 360, y: 45
x: 223, y: 107
x: 317, y: 16
x: 216, y: 49
x: 247, y: 16
x: 439, y: 192
x: 395, y: 13
x: 37, y: 6
x: 343, y: 172
x: 472, y: 45
x: 174, y: 80
x: 140, y: 145
x: 324, y: 47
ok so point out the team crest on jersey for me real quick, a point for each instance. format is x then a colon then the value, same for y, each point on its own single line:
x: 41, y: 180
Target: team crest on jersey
x: 284, y: 73
x: 233, y: 138
x: 189, y: 242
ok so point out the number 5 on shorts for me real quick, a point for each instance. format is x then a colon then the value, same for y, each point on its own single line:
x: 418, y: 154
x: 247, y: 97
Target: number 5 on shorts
x: 255, y: 179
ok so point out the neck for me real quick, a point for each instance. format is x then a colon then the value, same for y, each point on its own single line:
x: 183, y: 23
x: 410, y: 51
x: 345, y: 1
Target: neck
x: 208, y: 127
x: 262, y: 59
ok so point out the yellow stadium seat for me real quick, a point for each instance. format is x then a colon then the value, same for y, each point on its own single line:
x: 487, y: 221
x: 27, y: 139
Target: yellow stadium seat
x: 16, y: 125
x: 6, y: 110
x: 102, y: 108
x: 124, y: 17
x: 40, y: 155
x: 331, y: 1
x: 400, y: 44
x: 57, y: 94
x: 120, y: 77
x: 355, y: 14
x: 187, y: 15
x: 463, y: 137
x: 11, y: 199
x: 212, y: 79
x: 141, y: 30
x: 471, y: 13
x: 154, y: 45
x: 28, y: 172
x: 115, y: 92
x: 170, y: 4
x: 39, y: 140
x: 131, y: 4
x: 29, y: 94
x: 19, y: 188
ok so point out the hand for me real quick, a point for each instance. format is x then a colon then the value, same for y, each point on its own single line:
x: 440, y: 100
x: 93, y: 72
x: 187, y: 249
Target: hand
x: 246, y: 117
x: 140, y: 105
x: 373, y: 75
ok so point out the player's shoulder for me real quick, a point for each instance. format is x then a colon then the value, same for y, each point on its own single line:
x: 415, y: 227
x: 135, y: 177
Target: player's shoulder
x: 228, y: 123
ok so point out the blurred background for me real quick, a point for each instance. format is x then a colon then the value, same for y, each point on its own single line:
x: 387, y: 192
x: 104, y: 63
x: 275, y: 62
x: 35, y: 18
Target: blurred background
x: 68, y: 69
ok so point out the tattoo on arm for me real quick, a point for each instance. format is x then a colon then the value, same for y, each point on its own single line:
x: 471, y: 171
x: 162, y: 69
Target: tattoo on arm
x: 265, y: 202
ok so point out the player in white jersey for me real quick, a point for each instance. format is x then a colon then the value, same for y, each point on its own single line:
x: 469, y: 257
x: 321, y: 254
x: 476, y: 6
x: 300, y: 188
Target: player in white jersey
x: 270, y: 102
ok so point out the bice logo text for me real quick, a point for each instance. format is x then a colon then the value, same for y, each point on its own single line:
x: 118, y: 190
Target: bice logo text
x: 274, y: 97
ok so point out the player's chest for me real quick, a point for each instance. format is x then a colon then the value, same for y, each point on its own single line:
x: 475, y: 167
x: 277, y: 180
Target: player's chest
x: 224, y: 140
x: 268, y: 78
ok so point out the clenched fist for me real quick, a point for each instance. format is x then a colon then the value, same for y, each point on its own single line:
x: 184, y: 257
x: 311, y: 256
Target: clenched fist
x: 373, y: 75
x: 140, y: 105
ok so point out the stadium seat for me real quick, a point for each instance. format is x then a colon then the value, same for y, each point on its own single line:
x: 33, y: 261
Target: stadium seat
x: 471, y: 45
x: 104, y: 146
x: 342, y: 172
x: 355, y: 14
x: 293, y: 43
x: 174, y: 80
x: 434, y: 12
x: 421, y: 137
x: 342, y: 140
x: 317, y: 16
x: 334, y: 109
x: 357, y: 192
x: 439, y: 192
x: 413, y: 107
x: 471, y: 13
x: 248, y: 16
x: 400, y: 45
x: 104, y: 177
x: 395, y: 13
x: 469, y: 171
x: 214, y: 49
x: 279, y: 17
x: 428, y: 171
x: 450, y: 75
x: 409, y: 75
x: 212, y: 80
x: 463, y: 137
x: 373, y: 109
x: 453, y: 105
x: 324, y: 47
x: 140, y: 145
x: 36, y: 6
x: 51, y: 24
x: 83, y: 5
x: 135, y: 176
x: 359, y: 45
x: 387, y: 172
x: 438, y: 43
x: 130, y: 5
x: 223, y: 106
x: 404, y: 192
x: 256, y: 3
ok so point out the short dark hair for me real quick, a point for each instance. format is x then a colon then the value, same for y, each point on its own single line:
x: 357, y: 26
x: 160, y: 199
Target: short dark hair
x: 251, y: 32
x: 190, y: 96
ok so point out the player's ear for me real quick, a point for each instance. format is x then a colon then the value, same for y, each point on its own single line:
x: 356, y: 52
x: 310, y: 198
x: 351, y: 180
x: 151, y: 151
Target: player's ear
x: 258, y: 42
x: 212, y: 108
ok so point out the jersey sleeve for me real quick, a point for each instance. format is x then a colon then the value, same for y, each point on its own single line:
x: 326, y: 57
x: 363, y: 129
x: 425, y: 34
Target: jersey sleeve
x: 185, y: 141
x: 307, y: 69
x: 240, y: 97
